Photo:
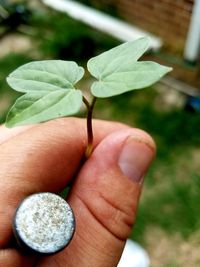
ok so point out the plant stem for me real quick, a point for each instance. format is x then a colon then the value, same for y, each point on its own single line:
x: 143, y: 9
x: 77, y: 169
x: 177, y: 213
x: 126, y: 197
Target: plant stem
x: 90, y: 108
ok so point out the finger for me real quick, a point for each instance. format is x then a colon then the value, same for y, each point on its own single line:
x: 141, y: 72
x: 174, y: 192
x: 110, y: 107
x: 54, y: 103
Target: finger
x: 7, y: 133
x: 43, y: 158
x: 105, y: 199
x: 13, y: 258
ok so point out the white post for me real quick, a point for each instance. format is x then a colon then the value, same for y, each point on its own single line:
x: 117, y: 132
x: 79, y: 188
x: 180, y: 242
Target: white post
x: 192, y: 46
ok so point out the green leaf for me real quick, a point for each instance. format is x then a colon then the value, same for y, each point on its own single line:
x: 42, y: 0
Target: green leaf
x: 50, y: 92
x: 118, y: 71
x: 142, y: 74
x: 46, y: 75
x: 40, y: 106
x: 118, y: 58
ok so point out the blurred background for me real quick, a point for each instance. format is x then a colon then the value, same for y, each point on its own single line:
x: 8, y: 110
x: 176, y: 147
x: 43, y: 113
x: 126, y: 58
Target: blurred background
x: 168, y: 223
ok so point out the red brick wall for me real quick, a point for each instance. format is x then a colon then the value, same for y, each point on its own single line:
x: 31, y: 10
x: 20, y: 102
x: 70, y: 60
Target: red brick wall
x: 168, y: 19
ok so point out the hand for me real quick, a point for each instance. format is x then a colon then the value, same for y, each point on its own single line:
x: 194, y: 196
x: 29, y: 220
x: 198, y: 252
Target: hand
x: 104, y: 195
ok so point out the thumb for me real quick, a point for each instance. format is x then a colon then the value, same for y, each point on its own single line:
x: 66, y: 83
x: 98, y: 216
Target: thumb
x: 105, y: 198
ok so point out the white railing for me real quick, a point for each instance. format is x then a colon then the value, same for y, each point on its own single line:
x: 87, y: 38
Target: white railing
x: 103, y: 22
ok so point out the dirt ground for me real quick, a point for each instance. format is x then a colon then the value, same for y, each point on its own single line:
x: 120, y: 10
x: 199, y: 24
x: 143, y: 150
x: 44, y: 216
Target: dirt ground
x: 15, y: 43
x: 172, y: 251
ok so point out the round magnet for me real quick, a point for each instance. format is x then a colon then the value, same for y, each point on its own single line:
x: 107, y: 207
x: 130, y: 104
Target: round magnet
x: 44, y: 223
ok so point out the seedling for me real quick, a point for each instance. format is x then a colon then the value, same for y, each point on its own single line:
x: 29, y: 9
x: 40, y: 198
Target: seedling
x: 50, y: 91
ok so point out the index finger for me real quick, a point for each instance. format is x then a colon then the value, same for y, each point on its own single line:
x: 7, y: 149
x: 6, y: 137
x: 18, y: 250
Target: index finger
x: 7, y: 133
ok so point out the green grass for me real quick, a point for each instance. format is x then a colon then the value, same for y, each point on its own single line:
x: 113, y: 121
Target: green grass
x: 174, y: 208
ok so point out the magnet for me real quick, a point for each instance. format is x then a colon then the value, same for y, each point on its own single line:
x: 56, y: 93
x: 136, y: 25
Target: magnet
x: 44, y: 223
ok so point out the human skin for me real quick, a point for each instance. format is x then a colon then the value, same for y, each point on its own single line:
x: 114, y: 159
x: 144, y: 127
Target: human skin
x: 104, y: 194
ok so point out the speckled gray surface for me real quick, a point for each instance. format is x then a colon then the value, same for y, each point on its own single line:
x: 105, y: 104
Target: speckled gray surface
x: 44, y: 222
